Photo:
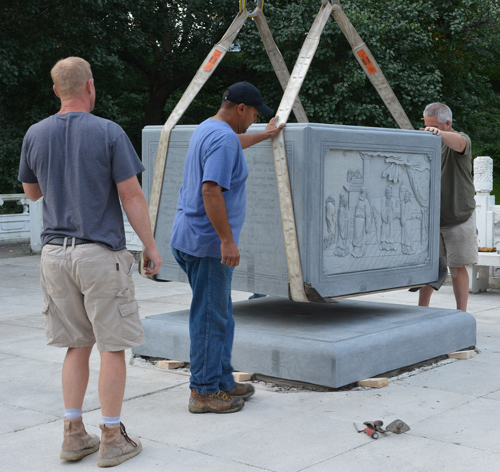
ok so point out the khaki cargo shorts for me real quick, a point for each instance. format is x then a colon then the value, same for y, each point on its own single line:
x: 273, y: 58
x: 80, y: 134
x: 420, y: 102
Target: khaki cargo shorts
x: 89, y: 298
x: 458, y: 244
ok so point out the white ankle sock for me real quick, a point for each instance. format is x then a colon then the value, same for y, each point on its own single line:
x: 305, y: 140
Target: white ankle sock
x: 72, y: 413
x: 111, y: 420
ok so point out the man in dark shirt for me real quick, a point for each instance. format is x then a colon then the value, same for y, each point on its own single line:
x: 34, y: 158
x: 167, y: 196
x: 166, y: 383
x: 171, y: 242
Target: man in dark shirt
x: 458, y: 233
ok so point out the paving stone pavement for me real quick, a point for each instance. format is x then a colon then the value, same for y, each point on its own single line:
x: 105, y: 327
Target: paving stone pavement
x: 452, y: 407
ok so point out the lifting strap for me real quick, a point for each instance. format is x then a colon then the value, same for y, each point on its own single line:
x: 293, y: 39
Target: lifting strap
x: 204, y: 72
x: 306, y: 55
x: 278, y: 62
x: 299, y: 290
x: 371, y: 68
x: 202, y: 75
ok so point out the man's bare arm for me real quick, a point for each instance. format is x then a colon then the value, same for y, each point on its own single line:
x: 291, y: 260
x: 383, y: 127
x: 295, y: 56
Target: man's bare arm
x: 33, y: 191
x: 215, y: 206
x: 271, y: 131
x: 452, y: 139
x: 135, y: 206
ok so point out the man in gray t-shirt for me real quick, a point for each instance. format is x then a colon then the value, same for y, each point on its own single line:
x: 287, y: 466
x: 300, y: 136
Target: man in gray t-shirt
x: 77, y: 158
x: 83, y: 166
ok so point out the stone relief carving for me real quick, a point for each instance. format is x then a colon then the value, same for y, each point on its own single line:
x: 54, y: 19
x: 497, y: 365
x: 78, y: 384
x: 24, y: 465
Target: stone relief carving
x: 414, y: 170
x: 330, y: 221
x: 343, y: 223
x: 362, y: 223
x: 388, y: 213
x: 483, y: 174
x: 382, y: 216
x: 354, y: 175
x: 406, y: 242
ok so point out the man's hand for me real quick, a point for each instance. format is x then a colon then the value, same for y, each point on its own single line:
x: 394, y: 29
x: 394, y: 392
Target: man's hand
x: 432, y: 130
x: 249, y: 139
x: 230, y: 254
x: 271, y: 129
x: 136, y: 208
x: 151, y: 256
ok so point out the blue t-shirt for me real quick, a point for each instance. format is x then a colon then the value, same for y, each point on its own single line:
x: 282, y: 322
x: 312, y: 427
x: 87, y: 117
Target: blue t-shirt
x: 77, y: 159
x: 215, y: 155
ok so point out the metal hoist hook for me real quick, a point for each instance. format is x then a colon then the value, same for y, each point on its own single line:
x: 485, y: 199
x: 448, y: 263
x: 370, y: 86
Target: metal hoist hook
x: 243, y: 6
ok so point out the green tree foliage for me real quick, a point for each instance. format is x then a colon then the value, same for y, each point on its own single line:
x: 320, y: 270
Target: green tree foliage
x: 429, y: 50
x: 142, y: 53
x: 145, y: 52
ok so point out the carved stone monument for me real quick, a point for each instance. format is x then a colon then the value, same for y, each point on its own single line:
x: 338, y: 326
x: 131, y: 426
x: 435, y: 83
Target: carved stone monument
x: 366, y: 204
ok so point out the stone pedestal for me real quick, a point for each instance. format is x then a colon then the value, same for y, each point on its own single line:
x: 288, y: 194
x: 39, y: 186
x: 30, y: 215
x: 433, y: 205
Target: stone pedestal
x: 331, y: 344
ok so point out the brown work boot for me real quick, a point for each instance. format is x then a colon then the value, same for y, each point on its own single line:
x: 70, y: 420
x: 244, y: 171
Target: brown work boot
x: 117, y: 446
x: 218, y: 402
x: 242, y: 390
x: 77, y: 442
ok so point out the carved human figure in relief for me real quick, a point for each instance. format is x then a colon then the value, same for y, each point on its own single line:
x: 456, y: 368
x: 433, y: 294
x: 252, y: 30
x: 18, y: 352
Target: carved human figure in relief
x: 343, y: 222
x: 388, y: 214
x: 362, y: 222
x: 406, y: 245
x: 330, y: 221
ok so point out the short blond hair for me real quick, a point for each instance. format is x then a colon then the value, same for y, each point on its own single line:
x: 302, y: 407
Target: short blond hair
x: 70, y: 76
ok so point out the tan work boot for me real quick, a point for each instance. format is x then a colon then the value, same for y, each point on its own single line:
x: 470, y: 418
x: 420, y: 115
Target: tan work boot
x: 77, y: 442
x: 117, y: 446
x: 218, y: 402
x: 242, y: 390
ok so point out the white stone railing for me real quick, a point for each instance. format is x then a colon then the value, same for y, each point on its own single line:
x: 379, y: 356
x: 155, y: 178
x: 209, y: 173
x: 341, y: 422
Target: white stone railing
x: 29, y: 225
x: 15, y: 227
x: 486, y: 274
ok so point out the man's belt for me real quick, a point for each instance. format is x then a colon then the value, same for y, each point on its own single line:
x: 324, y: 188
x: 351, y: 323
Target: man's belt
x: 69, y: 242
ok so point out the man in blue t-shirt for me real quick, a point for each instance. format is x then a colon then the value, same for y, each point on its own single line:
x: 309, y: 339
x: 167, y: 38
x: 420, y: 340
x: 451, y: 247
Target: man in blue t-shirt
x: 83, y: 166
x: 205, y: 234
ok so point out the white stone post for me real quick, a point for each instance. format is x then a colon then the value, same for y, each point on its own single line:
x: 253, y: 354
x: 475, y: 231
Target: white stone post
x: 485, y: 273
x: 483, y: 183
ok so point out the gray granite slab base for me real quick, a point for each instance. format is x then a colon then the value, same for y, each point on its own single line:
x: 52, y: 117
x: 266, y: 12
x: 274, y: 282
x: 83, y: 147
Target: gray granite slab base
x: 325, y: 344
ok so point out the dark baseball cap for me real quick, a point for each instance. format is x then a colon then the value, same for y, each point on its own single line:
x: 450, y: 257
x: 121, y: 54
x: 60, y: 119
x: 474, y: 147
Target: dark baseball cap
x: 245, y: 92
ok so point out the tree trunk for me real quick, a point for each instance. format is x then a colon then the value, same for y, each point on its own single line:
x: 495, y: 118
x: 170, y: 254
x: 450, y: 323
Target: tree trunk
x: 155, y: 106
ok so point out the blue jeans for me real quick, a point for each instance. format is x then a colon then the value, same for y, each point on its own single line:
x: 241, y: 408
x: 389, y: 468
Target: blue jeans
x: 211, y: 322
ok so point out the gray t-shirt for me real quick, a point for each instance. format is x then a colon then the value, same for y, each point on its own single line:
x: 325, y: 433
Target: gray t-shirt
x: 77, y: 159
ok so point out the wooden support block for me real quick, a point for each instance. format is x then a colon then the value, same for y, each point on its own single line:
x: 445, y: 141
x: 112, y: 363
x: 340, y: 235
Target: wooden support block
x: 242, y: 376
x: 375, y: 383
x: 169, y: 364
x: 462, y: 354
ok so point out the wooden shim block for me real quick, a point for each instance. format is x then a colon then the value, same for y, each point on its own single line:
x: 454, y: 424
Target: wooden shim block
x: 169, y: 364
x: 462, y: 354
x: 242, y: 376
x: 375, y: 383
